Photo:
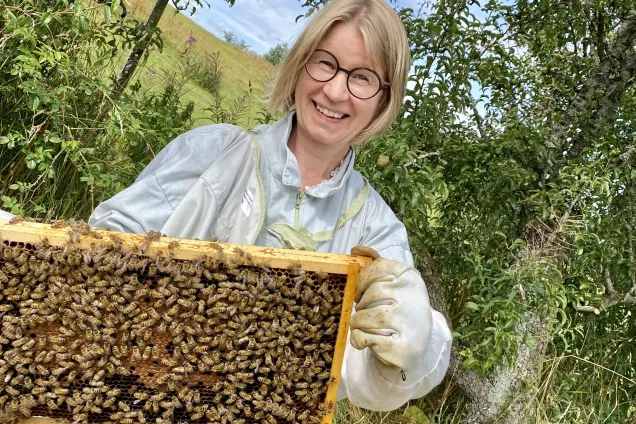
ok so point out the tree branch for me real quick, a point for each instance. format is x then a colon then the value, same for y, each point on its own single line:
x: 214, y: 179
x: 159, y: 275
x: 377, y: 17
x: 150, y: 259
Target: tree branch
x: 587, y: 310
x: 478, y: 118
x: 601, y: 42
x: 615, y: 298
x: 609, y: 286
x: 603, y: 84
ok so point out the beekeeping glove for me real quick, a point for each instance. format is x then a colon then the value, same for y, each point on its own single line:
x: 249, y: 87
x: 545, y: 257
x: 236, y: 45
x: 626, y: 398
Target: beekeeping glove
x: 393, y: 319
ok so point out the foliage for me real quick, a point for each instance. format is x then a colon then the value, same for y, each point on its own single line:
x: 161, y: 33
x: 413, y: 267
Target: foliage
x: 229, y: 37
x: 276, y: 54
x: 181, y: 5
x: 234, y: 114
x: 56, y: 160
x: 209, y: 73
x: 515, y: 220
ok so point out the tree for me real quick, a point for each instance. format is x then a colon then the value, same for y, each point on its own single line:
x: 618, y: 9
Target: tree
x: 511, y: 169
x: 276, y: 54
x: 229, y: 37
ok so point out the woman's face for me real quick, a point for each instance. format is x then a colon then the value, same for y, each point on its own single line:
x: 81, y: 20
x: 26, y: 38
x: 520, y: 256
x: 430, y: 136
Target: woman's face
x: 318, y: 102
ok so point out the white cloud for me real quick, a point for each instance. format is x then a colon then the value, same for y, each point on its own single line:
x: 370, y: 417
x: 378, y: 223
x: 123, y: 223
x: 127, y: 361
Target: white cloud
x: 261, y: 23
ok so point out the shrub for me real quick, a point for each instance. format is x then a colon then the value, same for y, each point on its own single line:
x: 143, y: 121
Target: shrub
x: 276, y: 54
x: 210, y: 73
x: 58, y: 156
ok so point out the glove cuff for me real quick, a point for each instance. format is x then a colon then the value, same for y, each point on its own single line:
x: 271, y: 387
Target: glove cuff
x: 395, y: 375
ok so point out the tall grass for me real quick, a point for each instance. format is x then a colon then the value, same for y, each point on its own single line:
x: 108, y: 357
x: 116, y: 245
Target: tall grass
x: 241, y: 70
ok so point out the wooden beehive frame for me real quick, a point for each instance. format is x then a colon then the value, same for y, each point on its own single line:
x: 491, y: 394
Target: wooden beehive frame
x: 29, y: 232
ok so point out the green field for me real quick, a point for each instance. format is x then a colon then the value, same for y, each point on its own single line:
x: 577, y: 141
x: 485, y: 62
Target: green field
x: 239, y: 67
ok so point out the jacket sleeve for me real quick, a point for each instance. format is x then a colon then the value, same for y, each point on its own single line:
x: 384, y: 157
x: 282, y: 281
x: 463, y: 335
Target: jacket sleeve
x: 148, y: 203
x: 5, y: 215
x: 362, y: 382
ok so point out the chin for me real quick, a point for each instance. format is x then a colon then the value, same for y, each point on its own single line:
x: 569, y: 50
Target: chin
x: 328, y: 139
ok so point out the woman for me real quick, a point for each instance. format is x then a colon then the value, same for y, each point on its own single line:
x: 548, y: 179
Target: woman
x: 292, y: 184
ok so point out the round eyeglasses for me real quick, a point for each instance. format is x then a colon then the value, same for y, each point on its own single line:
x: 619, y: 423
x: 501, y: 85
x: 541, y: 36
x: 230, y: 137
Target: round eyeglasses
x: 362, y: 83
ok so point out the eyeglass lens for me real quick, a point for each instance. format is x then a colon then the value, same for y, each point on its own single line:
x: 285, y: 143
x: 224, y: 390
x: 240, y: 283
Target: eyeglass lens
x: 323, y: 66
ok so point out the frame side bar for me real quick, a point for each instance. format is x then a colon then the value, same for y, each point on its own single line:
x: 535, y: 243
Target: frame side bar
x: 341, y: 343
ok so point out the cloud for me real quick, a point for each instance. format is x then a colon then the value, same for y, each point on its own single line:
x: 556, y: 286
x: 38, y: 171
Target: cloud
x: 261, y: 23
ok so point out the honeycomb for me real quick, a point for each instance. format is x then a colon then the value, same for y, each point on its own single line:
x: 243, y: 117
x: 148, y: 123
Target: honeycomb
x: 102, y: 335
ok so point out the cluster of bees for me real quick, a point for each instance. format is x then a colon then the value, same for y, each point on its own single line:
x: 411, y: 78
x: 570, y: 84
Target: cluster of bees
x: 106, y: 335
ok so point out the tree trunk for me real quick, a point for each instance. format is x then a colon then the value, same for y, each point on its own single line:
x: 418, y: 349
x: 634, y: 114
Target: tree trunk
x: 503, y: 396
x: 129, y: 68
x: 506, y: 395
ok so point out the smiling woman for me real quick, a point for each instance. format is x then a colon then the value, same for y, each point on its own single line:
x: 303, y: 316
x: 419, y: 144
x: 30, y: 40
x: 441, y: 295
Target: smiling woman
x: 293, y: 184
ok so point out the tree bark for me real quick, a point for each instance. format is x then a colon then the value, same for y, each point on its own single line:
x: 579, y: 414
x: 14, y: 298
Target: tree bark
x: 129, y: 68
x: 506, y: 395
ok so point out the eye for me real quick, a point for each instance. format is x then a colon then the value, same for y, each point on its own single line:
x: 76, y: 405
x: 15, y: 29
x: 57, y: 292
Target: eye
x: 327, y: 64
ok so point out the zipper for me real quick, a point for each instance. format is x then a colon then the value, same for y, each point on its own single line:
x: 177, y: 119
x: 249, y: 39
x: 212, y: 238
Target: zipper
x: 299, y: 199
x: 261, y: 190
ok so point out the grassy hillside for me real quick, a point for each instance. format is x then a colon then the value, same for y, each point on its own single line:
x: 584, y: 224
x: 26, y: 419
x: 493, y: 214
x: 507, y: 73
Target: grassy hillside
x: 239, y: 67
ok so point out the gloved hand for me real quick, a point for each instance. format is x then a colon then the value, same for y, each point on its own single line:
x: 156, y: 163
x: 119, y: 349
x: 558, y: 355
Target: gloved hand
x: 392, y: 318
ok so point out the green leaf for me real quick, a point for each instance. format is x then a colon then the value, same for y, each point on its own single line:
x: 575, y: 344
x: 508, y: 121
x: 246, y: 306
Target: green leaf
x: 416, y: 415
x: 472, y: 306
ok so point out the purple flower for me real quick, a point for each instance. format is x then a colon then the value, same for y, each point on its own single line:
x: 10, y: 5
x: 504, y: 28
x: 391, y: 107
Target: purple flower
x: 152, y: 71
x: 191, y: 40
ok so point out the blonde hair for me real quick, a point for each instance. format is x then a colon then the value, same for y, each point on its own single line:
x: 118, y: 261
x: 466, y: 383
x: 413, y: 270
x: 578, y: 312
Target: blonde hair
x: 386, y: 46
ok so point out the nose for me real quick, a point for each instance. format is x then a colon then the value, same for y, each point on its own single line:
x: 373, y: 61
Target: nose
x: 336, y: 89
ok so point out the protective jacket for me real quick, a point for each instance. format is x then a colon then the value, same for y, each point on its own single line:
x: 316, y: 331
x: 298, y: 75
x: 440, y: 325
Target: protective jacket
x: 223, y: 182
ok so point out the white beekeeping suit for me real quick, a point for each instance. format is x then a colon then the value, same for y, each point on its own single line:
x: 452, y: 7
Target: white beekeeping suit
x: 5, y: 215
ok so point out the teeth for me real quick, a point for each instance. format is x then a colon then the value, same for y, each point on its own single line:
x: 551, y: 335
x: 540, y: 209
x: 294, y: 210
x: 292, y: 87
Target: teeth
x: 329, y: 113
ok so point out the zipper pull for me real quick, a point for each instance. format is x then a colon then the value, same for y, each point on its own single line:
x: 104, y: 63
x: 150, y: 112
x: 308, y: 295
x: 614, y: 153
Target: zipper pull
x: 299, y: 198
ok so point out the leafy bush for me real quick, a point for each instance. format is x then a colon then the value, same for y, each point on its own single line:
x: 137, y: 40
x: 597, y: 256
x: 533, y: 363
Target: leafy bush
x: 209, y: 73
x: 59, y: 155
x: 276, y: 54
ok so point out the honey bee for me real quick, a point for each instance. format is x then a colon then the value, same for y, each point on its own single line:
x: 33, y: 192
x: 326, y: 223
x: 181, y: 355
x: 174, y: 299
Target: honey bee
x: 16, y: 219
x: 303, y: 415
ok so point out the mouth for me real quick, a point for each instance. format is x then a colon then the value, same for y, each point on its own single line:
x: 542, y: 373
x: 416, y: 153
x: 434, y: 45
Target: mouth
x: 329, y: 115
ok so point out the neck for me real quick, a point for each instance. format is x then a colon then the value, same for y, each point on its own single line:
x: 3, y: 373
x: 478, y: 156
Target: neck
x: 316, y: 161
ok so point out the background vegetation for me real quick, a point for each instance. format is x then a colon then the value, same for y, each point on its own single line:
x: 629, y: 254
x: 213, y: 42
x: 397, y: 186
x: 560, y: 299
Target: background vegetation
x: 512, y: 168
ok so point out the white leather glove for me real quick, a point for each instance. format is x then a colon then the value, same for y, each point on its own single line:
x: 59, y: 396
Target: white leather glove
x: 393, y: 319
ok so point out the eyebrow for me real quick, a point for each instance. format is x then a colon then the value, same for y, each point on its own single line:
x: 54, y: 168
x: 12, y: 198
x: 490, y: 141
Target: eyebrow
x: 368, y: 64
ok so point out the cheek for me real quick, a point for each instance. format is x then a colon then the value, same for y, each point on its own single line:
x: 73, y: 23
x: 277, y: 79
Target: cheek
x: 369, y: 111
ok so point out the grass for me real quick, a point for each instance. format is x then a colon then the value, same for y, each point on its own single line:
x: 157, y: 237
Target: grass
x: 239, y: 67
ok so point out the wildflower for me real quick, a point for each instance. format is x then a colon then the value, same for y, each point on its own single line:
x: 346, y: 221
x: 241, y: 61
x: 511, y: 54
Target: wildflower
x: 191, y: 40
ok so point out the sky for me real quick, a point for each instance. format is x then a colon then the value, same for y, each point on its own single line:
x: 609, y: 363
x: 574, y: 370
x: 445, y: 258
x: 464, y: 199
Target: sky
x: 261, y: 23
